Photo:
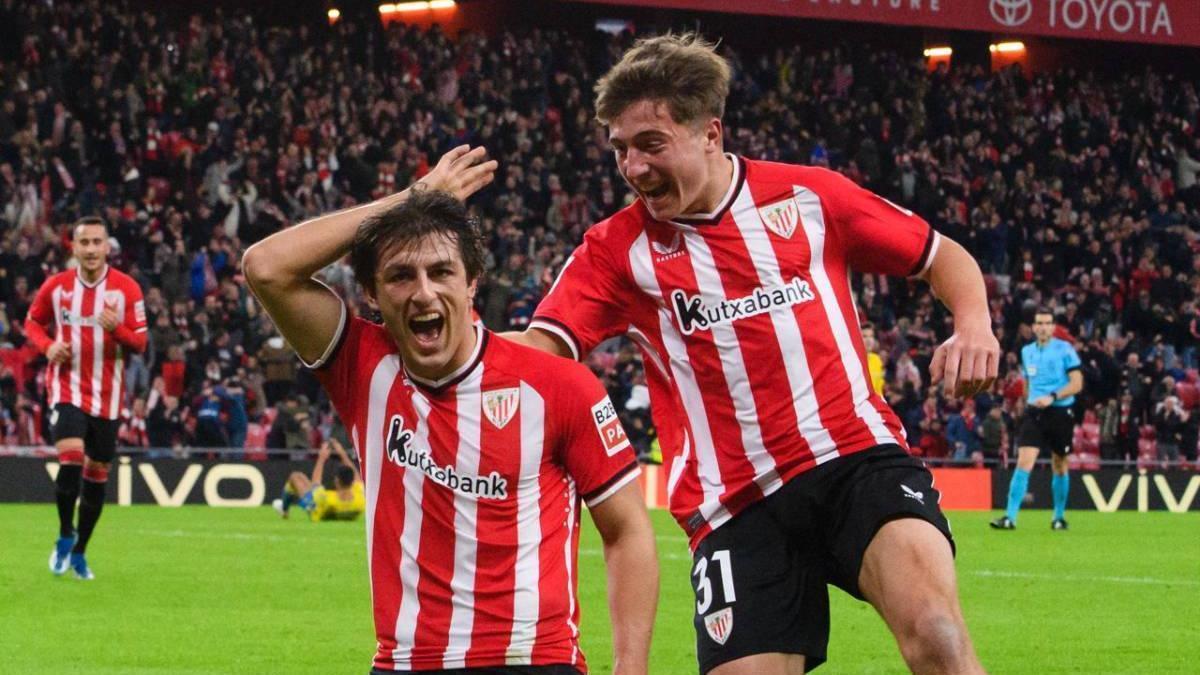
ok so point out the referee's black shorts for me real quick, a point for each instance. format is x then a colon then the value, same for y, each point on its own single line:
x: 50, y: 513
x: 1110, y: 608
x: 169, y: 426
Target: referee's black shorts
x: 1050, y: 429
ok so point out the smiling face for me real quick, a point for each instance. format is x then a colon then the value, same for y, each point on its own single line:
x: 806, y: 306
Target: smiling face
x: 674, y: 168
x: 90, y: 247
x: 425, y: 297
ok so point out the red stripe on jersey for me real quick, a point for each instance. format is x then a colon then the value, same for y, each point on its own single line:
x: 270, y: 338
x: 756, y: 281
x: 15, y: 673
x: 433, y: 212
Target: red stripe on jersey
x: 705, y: 357
x: 496, y: 556
x: 762, y: 355
x: 829, y: 382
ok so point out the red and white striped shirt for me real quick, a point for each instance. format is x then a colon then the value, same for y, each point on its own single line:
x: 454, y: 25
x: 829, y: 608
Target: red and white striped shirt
x: 748, y: 327
x: 92, y: 379
x: 473, y: 487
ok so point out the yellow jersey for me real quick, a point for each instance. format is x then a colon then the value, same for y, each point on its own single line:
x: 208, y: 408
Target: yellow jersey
x: 875, y: 368
x: 329, y: 505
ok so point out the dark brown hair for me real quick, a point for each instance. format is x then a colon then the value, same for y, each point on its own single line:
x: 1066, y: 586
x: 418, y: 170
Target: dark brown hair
x: 423, y: 213
x: 684, y: 71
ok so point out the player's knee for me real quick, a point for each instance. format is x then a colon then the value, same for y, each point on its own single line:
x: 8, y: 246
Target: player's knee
x: 935, y: 641
x: 70, y: 456
x: 95, y: 472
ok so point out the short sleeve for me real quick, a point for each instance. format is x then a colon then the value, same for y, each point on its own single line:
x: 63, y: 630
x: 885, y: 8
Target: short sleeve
x: 879, y: 237
x: 587, y: 303
x: 591, y: 442
x: 1071, y: 359
x: 337, y: 370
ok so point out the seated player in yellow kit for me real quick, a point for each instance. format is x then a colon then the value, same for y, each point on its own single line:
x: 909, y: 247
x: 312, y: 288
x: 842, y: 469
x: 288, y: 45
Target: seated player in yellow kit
x: 344, y: 502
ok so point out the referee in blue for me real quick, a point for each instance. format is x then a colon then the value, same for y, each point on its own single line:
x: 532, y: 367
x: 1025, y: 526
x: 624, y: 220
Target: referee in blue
x: 1052, y: 378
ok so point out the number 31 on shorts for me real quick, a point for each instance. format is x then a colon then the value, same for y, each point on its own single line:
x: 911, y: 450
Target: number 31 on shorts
x: 720, y: 559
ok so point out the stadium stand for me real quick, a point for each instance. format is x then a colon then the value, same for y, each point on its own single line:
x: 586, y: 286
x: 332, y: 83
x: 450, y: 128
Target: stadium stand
x: 195, y: 136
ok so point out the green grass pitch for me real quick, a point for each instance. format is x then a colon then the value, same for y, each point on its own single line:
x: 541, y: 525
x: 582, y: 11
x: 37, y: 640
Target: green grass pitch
x: 207, y: 590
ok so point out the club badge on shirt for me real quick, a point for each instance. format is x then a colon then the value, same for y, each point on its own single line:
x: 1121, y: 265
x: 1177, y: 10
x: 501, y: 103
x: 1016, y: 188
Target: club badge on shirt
x: 781, y: 216
x: 500, y: 405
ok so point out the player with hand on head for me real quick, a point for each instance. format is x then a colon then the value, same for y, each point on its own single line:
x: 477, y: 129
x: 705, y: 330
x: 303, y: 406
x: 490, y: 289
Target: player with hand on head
x: 477, y: 452
x: 85, y: 320
x: 786, y: 470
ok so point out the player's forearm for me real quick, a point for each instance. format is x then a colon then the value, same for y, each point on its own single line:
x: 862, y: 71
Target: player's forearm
x: 632, y: 564
x: 1074, y: 385
x: 127, y: 337
x: 318, y: 471
x: 37, y: 335
x: 957, y: 281
x: 294, y: 255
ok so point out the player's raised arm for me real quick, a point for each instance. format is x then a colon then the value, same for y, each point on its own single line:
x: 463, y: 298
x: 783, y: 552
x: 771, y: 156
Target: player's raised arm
x: 280, y: 268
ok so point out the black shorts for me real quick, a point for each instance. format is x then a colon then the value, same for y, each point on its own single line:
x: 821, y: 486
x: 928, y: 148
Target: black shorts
x: 1050, y: 429
x: 761, y: 579
x: 557, y: 669
x: 99, y: 435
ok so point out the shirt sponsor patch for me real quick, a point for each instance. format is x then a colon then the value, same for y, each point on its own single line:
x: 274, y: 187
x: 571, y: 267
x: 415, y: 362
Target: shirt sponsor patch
x: 612, y: 434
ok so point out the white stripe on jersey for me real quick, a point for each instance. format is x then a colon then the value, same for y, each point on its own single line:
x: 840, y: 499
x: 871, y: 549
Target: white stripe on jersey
x: 813, y: 220
x: 787, y: 330
x: 569, y: 559
x: 76, y: 345
x: 725, y: 340
x: 410, y: 544
x: 526, y: 597
x: 55, y: 370
x: 382, y: 380
x: 114, y: 404
x: 469, y: 409
x: 98, y: 349
x: 685, y: 377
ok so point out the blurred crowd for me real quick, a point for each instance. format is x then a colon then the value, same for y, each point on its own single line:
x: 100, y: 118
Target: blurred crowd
x: 195, y: 136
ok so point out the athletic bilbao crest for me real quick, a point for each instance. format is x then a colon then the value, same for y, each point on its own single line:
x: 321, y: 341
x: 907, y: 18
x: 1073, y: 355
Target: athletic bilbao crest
x: 719, y: 625
x: 782, y: 216
x: 500, y: 405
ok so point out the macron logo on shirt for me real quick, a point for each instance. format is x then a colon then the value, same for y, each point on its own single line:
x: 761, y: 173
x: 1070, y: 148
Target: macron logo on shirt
x: 694, y: 314
x: 401, y: 453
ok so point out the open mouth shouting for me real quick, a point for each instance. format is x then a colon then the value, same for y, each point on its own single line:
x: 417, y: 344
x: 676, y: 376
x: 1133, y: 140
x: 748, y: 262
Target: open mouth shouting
x: 657, y: 192
x: 427, y: 329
